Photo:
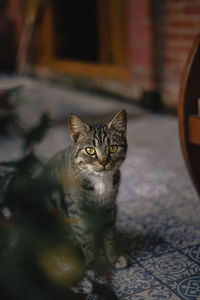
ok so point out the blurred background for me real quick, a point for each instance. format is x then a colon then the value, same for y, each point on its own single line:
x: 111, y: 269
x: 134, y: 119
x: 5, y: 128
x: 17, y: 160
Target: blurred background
x: 129, y: 48
x: 94, y: 58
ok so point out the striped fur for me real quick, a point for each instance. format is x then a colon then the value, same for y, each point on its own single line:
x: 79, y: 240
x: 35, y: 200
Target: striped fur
x: 89, y: 184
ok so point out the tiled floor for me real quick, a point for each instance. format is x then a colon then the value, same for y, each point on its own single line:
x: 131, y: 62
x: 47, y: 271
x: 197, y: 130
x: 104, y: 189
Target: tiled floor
x: 158, y: 208
x: 158, y: 216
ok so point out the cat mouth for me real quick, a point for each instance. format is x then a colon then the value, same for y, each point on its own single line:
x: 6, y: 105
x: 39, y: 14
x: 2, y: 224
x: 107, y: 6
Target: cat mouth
x: 99, y: 171
x: 102, y: 171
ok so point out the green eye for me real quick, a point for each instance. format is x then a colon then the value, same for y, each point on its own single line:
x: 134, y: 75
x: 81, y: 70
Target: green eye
x: 90, y: 150
x: 113, y: 149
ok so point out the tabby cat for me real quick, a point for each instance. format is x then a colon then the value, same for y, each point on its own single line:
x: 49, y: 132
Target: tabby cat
x: 87, y: 176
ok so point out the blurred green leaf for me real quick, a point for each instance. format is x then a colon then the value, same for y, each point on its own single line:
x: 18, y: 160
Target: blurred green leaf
x: 31, y: 261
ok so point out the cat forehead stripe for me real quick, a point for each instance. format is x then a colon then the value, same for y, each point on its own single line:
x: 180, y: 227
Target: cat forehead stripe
x: 99, y: 133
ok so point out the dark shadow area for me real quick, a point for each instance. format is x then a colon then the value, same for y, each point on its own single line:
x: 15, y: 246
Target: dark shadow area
x: 8, y: 40
x: 38, y: 257
x: 76, y: 22
x: 143, y: 246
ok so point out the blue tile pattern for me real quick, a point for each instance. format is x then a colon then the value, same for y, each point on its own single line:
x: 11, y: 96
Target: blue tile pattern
x: 193, y: 253
x: 158, y: 293
x: 187, y: 288
x: 141, y: 247
x: 171, y: 266
x: 158, y: 215
x: 132, y: 280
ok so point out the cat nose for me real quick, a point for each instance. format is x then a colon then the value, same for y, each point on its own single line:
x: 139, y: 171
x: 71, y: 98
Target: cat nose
x: 103, y: 162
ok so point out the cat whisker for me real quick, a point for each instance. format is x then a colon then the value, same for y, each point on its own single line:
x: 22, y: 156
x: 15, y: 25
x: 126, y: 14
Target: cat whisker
x: 84, y: 173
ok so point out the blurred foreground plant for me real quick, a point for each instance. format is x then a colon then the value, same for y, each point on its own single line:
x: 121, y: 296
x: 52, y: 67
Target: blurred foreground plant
x: 8, y: 118
x: 37, y: 257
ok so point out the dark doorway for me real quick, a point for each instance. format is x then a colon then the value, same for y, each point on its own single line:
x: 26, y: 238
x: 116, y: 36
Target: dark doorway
x: 76, y: 31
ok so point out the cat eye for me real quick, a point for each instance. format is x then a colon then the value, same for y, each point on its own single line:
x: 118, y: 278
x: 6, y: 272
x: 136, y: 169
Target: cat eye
x: 90, y: 150
x: 113, y: 149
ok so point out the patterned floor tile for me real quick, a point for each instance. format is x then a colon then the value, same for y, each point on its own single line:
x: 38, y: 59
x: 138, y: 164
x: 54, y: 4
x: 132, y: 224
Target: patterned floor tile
x: 132, y: 280
x: 187, y: 288
x: 138, y: 216
x: 193, y: 253
x: 184, y: 211
x: 144, y: 246
x: 158, y: 205
x: 158, y: 293
x: 182, y: 235
x: 170, y: 267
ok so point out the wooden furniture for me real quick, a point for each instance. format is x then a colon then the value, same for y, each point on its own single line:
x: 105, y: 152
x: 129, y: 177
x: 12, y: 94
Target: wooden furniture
x: 62, y: 38
x: 189, y: 113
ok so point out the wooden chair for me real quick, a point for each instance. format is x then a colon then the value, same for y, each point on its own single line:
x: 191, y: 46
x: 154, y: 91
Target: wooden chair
x: 189, y: 113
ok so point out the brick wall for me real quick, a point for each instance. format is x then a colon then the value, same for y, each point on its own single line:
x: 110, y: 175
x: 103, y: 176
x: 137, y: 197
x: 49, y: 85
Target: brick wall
x: 160, y: 42
x: 159, y: 34
x: 140, y: 37
x: 181, y: 25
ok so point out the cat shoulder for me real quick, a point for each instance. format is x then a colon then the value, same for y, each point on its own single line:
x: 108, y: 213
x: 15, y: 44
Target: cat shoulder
x: 55, y: 165
x: 116, y: 177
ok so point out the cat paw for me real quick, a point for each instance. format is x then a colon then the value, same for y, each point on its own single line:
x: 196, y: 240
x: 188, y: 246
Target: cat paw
x: 90, y: 274
x: 121, y: 262
x: 83, y: 287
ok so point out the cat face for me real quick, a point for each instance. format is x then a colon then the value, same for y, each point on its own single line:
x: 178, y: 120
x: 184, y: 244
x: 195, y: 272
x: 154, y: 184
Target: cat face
x: 99, y: 148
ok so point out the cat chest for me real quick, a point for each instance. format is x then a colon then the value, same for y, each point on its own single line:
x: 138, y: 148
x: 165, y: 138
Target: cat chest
x: 102, y: 186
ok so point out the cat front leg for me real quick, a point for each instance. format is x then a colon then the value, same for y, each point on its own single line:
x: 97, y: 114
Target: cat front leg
x: 113, y: 253
x: 88, y: 246
x: 85, y: 240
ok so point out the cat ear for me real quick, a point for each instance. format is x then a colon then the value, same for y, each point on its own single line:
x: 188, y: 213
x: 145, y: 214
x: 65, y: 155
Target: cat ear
x: 77, y: 127
x: 119, y: 122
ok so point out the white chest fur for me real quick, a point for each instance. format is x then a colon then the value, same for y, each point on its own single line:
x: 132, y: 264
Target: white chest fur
x: 103, y: 184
